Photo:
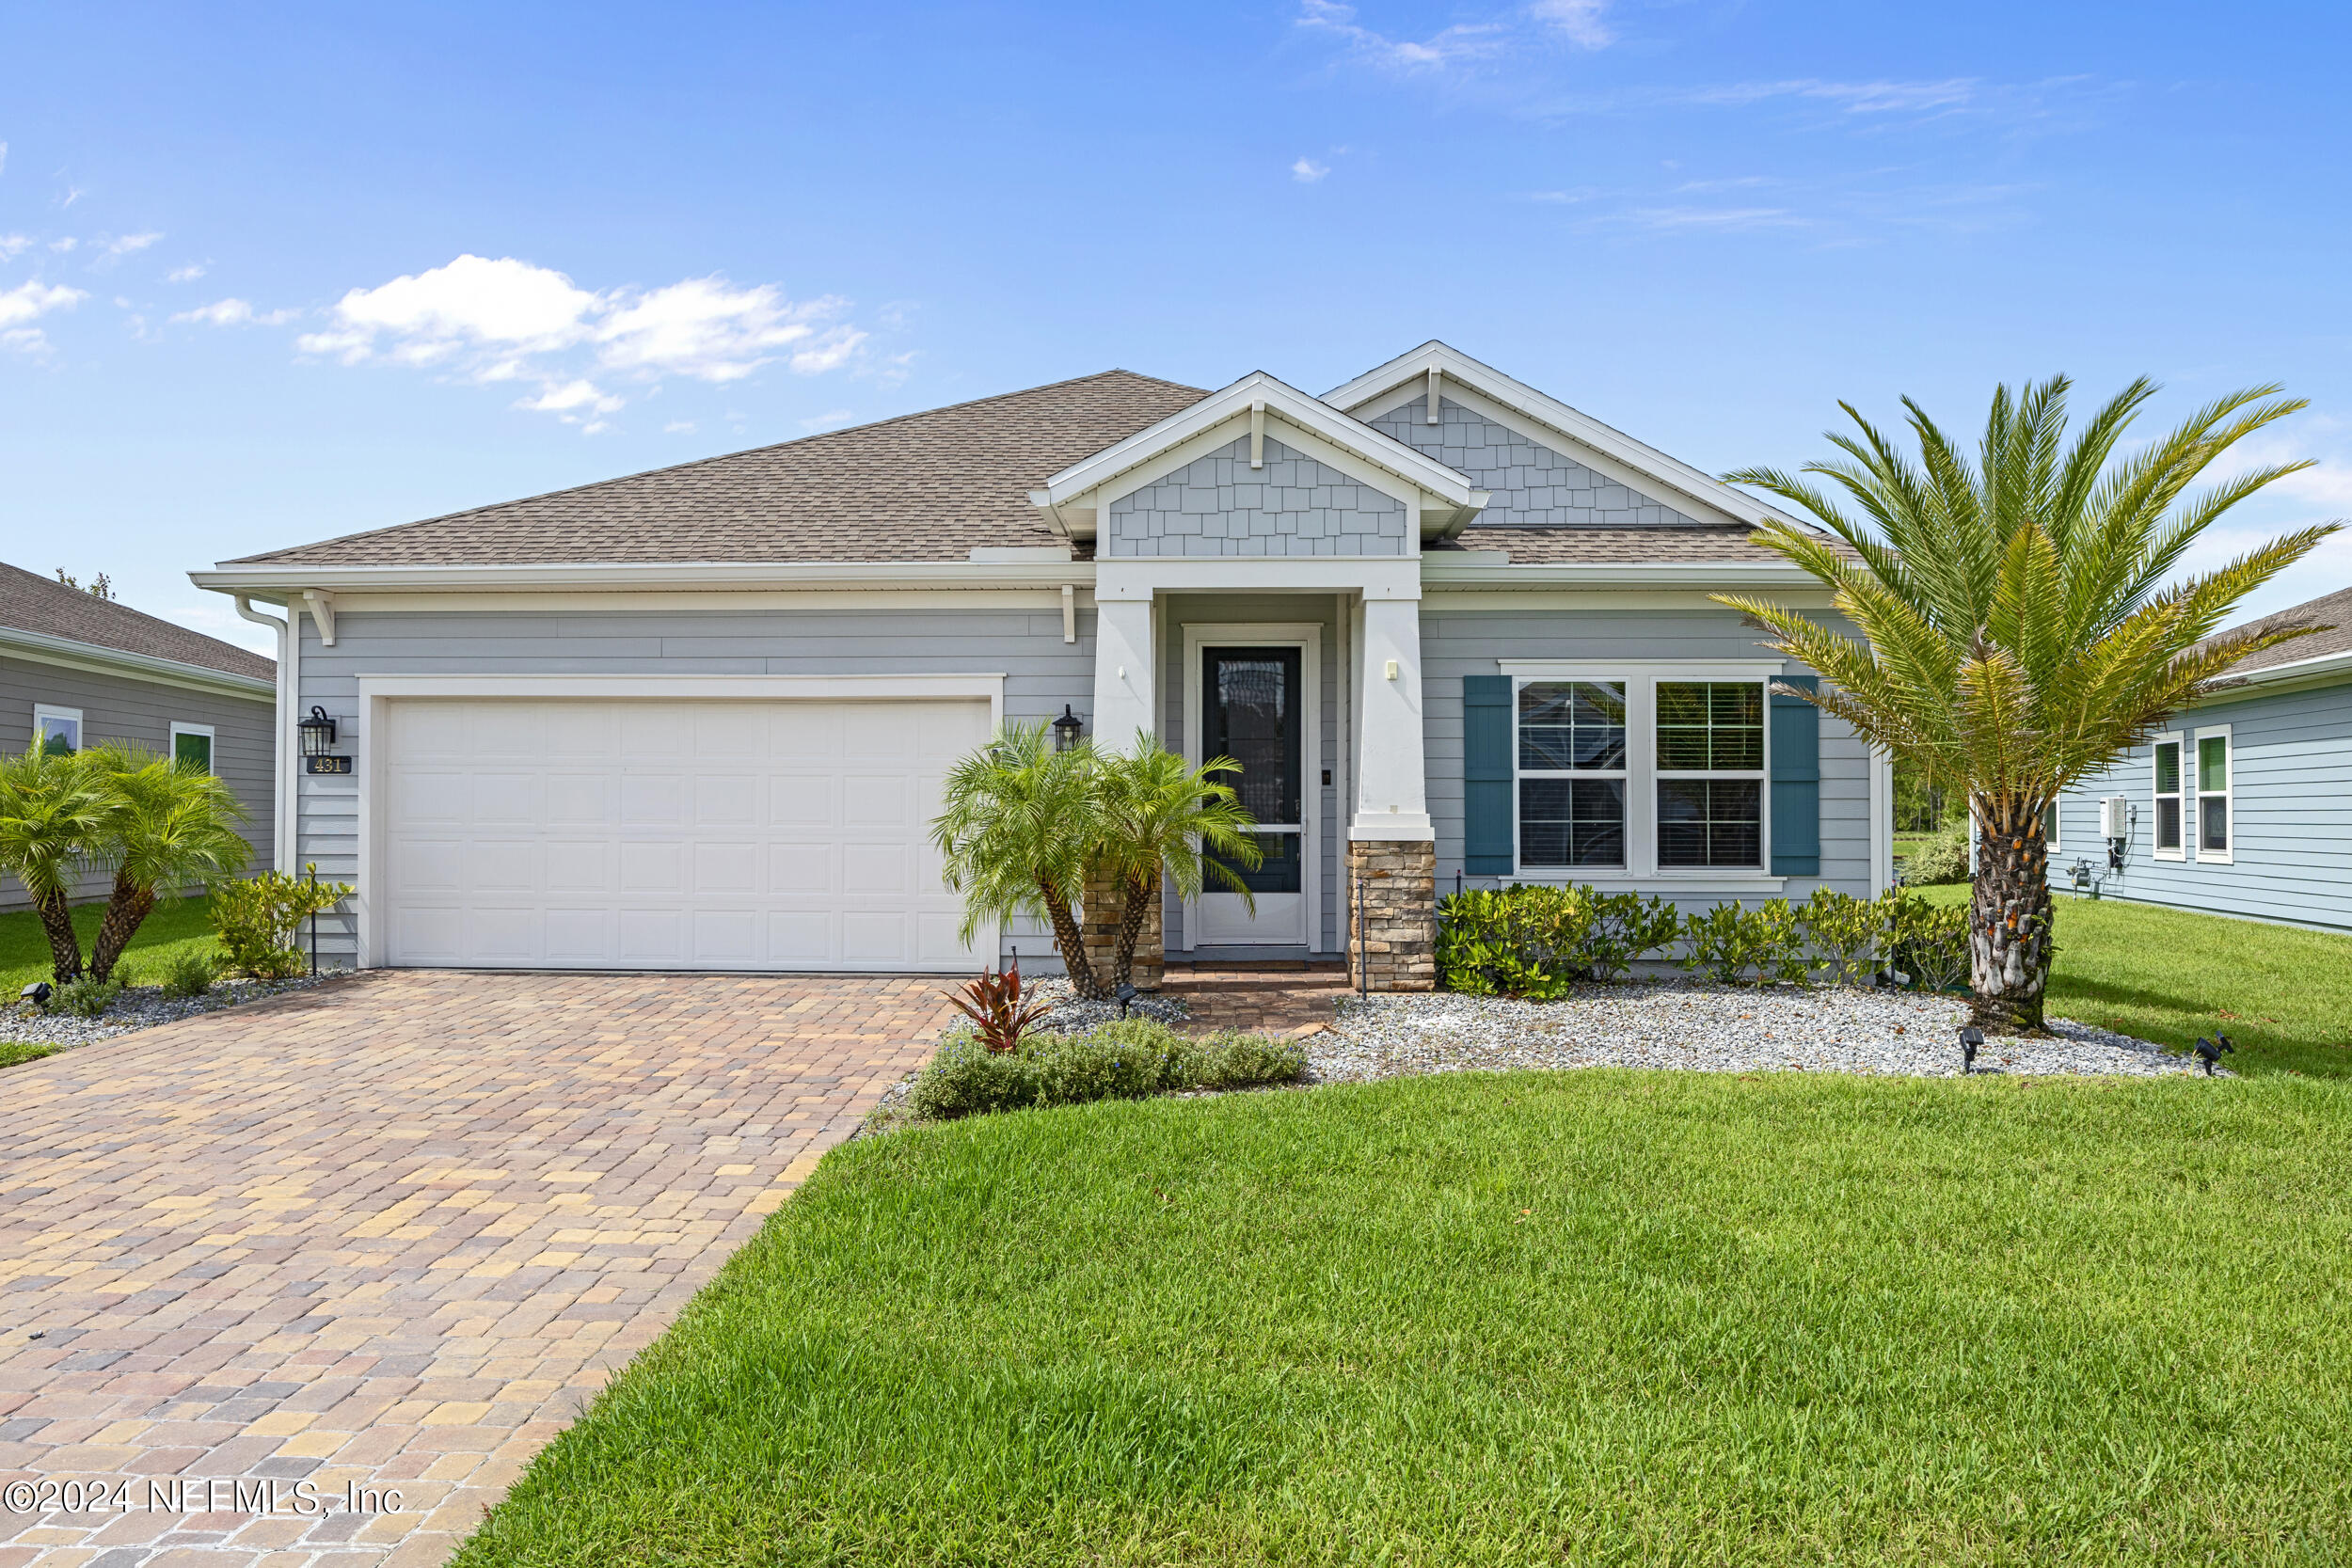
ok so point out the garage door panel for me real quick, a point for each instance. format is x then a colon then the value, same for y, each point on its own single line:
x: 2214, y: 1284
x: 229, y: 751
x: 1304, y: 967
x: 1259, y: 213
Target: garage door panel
x: 670, y: 835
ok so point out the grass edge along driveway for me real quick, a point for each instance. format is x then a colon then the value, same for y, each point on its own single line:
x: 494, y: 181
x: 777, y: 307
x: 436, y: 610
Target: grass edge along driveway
x: 1591, y: 1317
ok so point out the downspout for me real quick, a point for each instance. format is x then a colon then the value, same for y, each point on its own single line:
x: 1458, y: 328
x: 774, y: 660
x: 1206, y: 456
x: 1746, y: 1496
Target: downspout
x: 282, y: 773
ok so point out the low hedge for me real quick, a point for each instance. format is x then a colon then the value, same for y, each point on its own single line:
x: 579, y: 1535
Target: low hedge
x: 1122, y: 1060
x: 1537, y: 941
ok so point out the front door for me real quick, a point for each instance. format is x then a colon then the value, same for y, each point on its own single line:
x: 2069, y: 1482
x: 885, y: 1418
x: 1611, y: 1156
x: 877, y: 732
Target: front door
x: 1253, y: 704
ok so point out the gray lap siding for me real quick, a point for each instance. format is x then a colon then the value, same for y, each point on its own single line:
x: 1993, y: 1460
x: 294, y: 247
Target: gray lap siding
x: 124, y: 707
x: 1462, y: 639
x: 1042, y: 673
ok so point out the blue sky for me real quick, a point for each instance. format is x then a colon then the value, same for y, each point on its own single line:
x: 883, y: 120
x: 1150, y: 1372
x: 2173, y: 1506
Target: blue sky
x: 269, y: 274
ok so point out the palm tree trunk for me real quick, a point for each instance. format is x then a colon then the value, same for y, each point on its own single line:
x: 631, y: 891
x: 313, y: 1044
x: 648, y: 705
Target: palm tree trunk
x: 1135, y: 907
x: 65, y: 948
x: 1072, y: 941
x: 128, y: 904
x: 2009, y: 919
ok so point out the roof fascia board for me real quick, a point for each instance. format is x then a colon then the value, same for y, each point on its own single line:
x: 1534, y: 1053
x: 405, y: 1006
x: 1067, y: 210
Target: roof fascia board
x: 2319, y: 670
x: 1563, y: 420
x: 41, y: 648
x: 277, y: 583
x: 1285, y: 401
x: 1436, y: 571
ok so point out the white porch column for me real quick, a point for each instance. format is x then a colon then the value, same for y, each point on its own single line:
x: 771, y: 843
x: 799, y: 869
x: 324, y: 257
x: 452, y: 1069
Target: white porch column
x: 1123, y: 685
x: 1391, y: 781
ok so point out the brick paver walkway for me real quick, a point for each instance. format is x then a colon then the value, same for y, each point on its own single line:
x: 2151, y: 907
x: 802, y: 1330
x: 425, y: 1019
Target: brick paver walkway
x: 389, y: 1234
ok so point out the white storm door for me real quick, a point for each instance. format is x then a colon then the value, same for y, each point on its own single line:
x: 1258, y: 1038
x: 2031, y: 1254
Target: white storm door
x: 1252, y: 706
x: 640, y: 833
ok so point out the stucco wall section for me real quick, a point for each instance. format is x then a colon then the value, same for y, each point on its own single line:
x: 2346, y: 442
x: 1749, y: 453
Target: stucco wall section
x: 1533, y: 486
x: 1220, y: 505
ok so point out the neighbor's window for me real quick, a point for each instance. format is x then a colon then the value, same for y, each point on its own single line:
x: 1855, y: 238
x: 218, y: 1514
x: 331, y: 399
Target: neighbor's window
x: 2168, y: 796
x: 1572, y: 773
x: 57, y: 729
x: 2050, y: 828
x: 192, y: 745
x: 1710, y: 773
x: 2213, y: 794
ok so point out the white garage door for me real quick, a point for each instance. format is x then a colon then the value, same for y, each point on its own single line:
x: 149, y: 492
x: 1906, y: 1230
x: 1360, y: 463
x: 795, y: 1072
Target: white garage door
x: 646, y: 834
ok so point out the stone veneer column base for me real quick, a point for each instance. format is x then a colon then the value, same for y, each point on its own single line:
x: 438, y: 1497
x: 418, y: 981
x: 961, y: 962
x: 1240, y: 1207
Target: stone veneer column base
x: 1099, y: 920
x: 1396, y: 946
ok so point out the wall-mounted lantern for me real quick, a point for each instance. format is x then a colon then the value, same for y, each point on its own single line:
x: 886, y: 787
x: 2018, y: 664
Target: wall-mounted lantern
x: 318, y: 745
x: 1066, y: 729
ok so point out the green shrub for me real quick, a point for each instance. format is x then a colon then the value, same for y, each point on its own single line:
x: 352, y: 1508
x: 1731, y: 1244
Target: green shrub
x: 259, y: 919
x: 87, y: 997
x: 1846, y: 934
x: 189, y: 974
x: 1537, y: 941
x: 1928, y: 943
x: 1733, y: 946
x: 1122, y: 1060
x: 1943, y: 858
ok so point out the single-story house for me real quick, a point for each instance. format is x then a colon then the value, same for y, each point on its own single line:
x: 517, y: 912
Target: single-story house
x: 76, y: 669
x: 2242, y: 804
x: 698, y: 718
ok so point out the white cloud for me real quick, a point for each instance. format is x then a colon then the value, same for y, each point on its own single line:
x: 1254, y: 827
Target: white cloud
x: 1463, y: 42
x: 1307, y: 171
x: 1578, y: 21
x: 12, y: 245
x: 831, y: 418
x: 235, y: 312
x: 61, y: 246
x: 1727, y: 219
x: 27, y: 301
x: 4, y: 157
x: 128, y: 244
x: 679, y: 427
x: 490, y: 321
x: 1860, y: 98
x: 188, y: 274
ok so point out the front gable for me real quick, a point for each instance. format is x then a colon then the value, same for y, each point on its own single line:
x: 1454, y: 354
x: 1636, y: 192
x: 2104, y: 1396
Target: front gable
x: 1290, y: 504
x: 1533, y: 485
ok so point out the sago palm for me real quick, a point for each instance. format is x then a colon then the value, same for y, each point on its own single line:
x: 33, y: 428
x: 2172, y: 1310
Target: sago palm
x: 1016, y: 837
x: 52, y: 809
x: 1158, y: 814
x: 2022, y: 625
x: 167, y: 824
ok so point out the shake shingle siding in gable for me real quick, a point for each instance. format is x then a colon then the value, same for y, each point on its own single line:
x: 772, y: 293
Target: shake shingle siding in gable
x: 1218, y: 505
x: 928, y: 486
x: 1533, y: 485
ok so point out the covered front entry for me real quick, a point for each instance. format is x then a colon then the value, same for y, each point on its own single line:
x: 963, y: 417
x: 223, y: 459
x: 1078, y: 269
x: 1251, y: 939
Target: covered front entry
x: 651, y: 834
x: 1252, y: 692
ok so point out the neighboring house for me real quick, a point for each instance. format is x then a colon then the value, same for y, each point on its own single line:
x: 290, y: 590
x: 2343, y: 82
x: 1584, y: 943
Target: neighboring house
x: 698, y: 718
x: 2242, y: 805
x: 75, y: 670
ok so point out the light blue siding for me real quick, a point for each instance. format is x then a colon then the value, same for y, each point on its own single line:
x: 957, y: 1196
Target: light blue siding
x: 2291, y: 846
x: 1218, y: 505
x: 1467, y: 642
x: 1533, y: 485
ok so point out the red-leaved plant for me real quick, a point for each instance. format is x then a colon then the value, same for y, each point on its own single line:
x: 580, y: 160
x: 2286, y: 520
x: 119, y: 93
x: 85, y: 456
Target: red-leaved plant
x: 994, y: 1004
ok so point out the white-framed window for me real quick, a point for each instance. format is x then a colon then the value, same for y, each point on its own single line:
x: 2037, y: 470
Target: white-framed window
x: 56, y: 729
x: 2170, y: 835
x: 1645, y: 770
x: 2051, y: 817
x: 193, y: 744
x: 2216, y: 824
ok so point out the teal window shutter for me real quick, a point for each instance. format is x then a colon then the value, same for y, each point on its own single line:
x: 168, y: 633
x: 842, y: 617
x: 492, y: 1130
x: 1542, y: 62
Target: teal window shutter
x: 1487, y: 829
x: 1796, y: 781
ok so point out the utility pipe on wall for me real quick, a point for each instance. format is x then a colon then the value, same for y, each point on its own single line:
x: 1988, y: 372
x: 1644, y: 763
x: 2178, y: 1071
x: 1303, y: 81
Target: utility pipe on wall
x: 282, y: 773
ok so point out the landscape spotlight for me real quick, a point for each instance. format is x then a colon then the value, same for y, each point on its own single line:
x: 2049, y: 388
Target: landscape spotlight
x: 1970, y: 1038
x: 1126, y: 995
x: 2209, y: 1051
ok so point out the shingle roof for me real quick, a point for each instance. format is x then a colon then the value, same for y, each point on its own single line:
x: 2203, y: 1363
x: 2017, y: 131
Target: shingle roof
x: 1614, y: 547
x: 927, y: 486
x: 2333, y: 611
x: 30, y: 602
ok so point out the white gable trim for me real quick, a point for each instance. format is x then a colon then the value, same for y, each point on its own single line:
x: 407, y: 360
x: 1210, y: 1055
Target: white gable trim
x: 1322, y: 432
x: 1408, y: 375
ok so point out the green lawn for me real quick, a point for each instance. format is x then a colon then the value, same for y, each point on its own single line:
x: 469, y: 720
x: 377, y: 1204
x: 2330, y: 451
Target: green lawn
x: 185, y: 926
x: 2283, y: 994
x: 1594, y: 1316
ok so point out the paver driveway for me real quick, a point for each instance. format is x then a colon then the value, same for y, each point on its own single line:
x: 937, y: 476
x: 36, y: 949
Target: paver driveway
x: 386, y: 1234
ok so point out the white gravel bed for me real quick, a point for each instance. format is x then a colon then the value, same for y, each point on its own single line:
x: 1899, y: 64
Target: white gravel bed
x: 1072, y: 1016
x: 1704, y: 1028
x: 138, y: 1008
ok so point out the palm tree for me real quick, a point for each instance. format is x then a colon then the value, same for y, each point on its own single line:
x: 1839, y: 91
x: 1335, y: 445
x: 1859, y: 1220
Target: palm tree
x: 1017, y: 834
x: 2018, y: 631
x: 167, y: 824
x: 1158, y: 814
x: 52, y: 808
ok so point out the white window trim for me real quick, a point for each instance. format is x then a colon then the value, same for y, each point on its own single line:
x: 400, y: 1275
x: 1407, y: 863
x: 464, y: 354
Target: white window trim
x: 2058, y: 825
x: 2191, y: 780
x: 1643, y: 773
x: 212, y: 744
x: 2156, y: 796
x: 50, y: 710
